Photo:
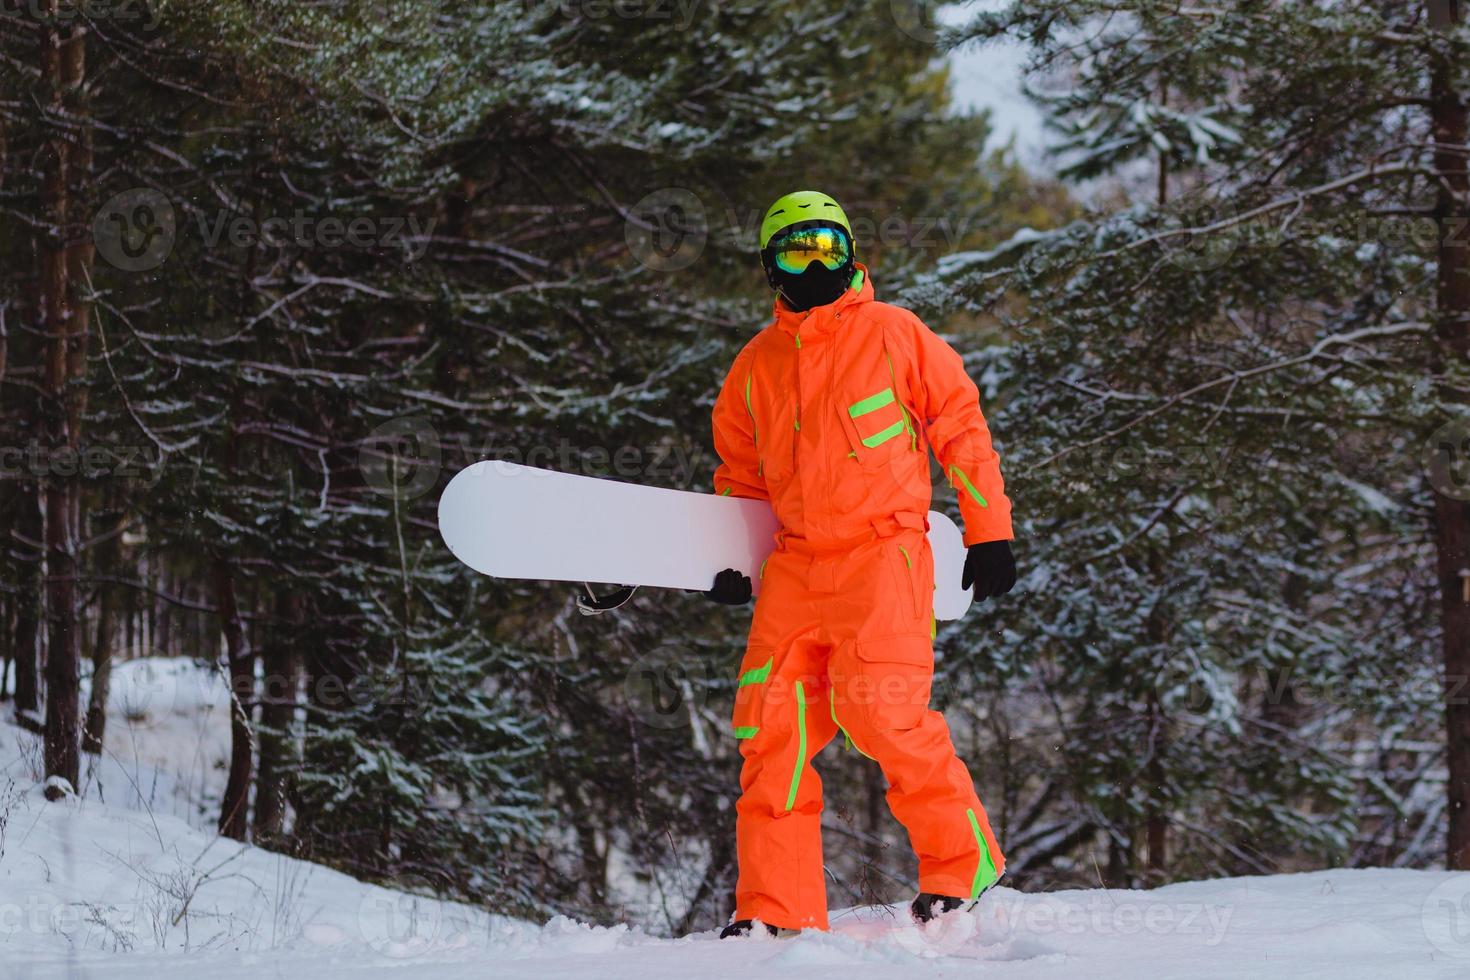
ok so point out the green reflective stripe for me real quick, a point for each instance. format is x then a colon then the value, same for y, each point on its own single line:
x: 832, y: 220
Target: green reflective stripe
x: 985, y: 870
x: 725, y: 492
x: 870, y: 404
x: 755, y: 433
x: 757, y: 675
x: 798, y: 341
x: 763, y: 567
x: 879, y: 438
x: 955, y: 471
x: 832, y: 691
x: 747, y: 732
x: 906, y: 560
x: 796, y: 422
x: 800, y: 747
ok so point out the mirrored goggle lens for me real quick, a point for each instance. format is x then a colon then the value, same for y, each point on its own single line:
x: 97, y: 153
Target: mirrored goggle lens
x: 796, y: 250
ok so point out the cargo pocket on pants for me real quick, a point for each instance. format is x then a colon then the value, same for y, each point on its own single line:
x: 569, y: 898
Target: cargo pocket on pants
x: 893, y: 685
x: 750, y: 689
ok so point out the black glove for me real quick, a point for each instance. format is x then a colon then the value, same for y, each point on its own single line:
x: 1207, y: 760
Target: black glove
x: 731, y: 588
x: 990, y: 567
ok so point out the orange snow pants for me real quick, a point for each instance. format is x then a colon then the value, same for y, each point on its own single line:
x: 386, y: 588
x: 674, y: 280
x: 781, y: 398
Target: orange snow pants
x: 842, y: 640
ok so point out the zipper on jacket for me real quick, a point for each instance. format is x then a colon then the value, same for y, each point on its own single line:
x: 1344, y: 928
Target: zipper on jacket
x: 755, y: 433
x: 796, y: 415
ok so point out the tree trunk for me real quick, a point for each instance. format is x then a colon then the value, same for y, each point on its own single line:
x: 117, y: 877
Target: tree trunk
x: 1452, y: 516
x: 4, y: 304
x: 62, y: 62
x: 1156, y: 817
x: 7, y: 616
x: 278, y: 717
x: 163, y: 623
x: 234, y: 806
x: 108, y: 559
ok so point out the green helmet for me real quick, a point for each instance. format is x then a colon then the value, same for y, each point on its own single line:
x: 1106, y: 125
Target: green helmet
x: 801, y: 206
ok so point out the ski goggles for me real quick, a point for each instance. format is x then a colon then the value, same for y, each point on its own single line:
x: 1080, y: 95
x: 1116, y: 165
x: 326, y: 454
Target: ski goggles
x: 792, y: 251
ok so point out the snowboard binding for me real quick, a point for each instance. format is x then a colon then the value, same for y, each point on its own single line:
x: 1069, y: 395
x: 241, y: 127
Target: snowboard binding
x: 589, y: 603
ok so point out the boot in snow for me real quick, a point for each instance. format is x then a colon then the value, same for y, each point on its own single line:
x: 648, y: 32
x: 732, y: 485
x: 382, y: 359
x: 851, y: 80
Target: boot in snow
x: 743, y: 927
x: 927, y: 906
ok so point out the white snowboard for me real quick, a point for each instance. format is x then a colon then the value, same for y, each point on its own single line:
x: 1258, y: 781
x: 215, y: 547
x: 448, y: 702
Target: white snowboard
x: 514, y: 521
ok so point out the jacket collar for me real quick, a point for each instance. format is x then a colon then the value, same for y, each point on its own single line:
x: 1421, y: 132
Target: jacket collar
x: 822, y: 319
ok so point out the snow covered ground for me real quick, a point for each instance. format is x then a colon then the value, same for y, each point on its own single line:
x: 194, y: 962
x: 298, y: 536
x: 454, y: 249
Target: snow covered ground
x: 128, y: 882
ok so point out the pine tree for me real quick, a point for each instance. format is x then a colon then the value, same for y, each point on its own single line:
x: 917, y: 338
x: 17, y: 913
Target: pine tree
x: 1223, y: 388
x: 301, y: 394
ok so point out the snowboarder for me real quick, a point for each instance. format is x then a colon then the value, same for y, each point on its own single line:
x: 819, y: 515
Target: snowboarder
x: 829, y: 413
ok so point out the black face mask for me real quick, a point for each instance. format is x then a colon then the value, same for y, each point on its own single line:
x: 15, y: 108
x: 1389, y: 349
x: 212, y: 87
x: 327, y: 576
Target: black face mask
x: 817, y: 286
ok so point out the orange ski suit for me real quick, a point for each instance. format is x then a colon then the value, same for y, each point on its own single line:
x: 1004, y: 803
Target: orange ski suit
x: 830, y: 415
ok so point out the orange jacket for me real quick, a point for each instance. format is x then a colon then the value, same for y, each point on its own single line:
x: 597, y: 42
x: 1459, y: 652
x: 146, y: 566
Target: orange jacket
x: 830, y: 414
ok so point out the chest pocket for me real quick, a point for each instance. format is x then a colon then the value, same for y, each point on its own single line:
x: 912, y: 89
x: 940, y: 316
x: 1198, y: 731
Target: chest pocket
x: 878, y: 424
